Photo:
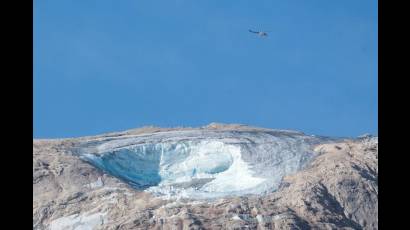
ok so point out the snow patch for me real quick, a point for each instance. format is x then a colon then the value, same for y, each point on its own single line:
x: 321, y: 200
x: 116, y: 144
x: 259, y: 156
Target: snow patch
x: 78, y: 222
x: 236, y: 217
x: 96, y: 184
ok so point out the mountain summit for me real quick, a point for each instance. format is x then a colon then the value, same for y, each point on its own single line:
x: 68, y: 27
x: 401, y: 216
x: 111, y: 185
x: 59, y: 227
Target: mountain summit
x: 220, y: 176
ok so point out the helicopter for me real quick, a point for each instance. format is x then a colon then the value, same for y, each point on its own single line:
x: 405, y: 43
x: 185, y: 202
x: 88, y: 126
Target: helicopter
x: 260, y: 33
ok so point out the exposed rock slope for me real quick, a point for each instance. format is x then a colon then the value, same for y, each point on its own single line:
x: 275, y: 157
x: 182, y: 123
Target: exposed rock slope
x: 332, y: 185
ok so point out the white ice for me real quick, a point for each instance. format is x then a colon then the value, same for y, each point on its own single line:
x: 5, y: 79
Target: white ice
x: 216, y: 165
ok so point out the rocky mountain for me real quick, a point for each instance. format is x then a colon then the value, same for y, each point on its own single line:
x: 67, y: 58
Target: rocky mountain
x: 214, y: 177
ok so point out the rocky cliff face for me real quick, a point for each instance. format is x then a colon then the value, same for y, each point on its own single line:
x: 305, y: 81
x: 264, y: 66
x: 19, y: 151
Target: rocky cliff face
x: 213, y: 177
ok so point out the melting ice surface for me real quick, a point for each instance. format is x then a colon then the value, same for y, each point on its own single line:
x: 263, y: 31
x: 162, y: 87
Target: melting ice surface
x: 204, y: 164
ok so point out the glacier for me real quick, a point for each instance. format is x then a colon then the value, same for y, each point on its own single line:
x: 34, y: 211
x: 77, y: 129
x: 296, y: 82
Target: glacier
x: 203, y: 164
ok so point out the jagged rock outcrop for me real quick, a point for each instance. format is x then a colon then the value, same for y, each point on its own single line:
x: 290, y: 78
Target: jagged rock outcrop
x: 333, y: 186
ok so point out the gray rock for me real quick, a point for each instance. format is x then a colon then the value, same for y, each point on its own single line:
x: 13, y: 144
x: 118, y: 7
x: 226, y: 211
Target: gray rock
x: 336, y: 189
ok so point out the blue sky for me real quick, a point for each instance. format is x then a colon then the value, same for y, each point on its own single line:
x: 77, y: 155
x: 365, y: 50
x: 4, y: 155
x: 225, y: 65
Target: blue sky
x: 102, y: 66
